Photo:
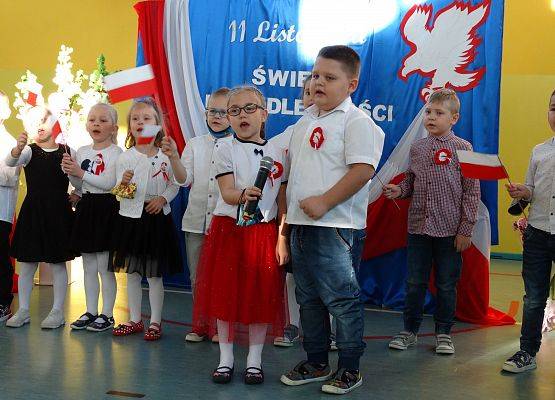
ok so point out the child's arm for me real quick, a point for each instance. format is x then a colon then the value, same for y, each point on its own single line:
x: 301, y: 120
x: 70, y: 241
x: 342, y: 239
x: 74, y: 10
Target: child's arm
x: 179, y: 166
x: 21, y: 153
x: 525, y: 191
x: 70, y: 165
x: 233, y: 196
x: 357, y: 176
x: 283, y: 251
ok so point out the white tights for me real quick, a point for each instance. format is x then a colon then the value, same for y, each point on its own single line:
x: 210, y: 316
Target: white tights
x: 135, y: 295
x: 25, y: 284
x: 93, y: 265
x: 257, y: 335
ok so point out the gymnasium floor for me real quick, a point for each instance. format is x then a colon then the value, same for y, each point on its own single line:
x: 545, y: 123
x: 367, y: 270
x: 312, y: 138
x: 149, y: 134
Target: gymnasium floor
x: 62, y: 364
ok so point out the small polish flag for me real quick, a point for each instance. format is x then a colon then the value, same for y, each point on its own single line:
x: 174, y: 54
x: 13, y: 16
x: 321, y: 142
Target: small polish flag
x: 33, y: 90
x: 130, y: 83
x: 481, y: 166
x: 55, y: 127
x: 148, y: 134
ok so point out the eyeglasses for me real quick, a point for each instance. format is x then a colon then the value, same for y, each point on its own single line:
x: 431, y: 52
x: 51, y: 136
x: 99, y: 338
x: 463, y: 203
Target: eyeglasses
x: 249, y: 109
x: 216, y: 112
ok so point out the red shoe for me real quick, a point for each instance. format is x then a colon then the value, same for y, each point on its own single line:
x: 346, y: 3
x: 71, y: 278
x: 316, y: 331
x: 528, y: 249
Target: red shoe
x: 154, y: 332
x: 125, y: 330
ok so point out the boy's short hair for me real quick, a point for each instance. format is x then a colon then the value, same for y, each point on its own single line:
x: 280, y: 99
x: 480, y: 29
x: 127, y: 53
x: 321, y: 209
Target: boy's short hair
x: 223, y: 91
x: 447, y: 96
x: 345, y: 55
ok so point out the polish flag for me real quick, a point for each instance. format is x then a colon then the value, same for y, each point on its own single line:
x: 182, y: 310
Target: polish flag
x: 55, y: 127
x: 130, y: 83
x: 148, y: 134
x: 481, y: 166
x: 33, y: 90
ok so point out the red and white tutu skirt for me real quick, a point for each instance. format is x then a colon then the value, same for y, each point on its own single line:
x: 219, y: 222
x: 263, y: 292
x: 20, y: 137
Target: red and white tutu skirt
x: 239, y: 280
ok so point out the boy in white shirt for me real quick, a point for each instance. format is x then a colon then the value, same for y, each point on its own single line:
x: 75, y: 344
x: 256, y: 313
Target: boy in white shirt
x: 334, y: 151
x: 197, y: 169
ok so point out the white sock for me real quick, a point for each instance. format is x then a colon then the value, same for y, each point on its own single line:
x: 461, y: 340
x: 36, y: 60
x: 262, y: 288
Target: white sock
x: 156, y: 297
x: 25, y: 283
x: 109, y: 284
x: 226, y: 347
x: 294, y: 309
x: 59, y: 273
x: 257, y: 336
x: 90, y: 277
x: 134, y: 296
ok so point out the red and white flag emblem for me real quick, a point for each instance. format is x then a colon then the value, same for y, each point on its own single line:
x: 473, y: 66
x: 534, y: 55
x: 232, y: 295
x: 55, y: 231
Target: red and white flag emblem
x: 317, y: 138
x: 55, y: 128
x: 148, y: 134
x: 130, y: 83
x: 481, y: 166
x: 33, y: 90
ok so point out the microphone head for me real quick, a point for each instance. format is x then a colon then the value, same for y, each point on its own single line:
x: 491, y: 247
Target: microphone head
x: 267, y: 163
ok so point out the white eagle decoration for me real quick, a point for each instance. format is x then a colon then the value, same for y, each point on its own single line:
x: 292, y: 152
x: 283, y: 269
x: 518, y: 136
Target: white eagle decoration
x: 443, y: 47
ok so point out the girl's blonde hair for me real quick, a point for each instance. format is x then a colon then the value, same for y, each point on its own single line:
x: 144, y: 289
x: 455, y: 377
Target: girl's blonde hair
x: 113, y: 116
x: 130, y: 139
x: 257, y: 93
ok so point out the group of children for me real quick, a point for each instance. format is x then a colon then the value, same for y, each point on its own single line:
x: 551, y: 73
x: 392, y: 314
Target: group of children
x: 310, y: 218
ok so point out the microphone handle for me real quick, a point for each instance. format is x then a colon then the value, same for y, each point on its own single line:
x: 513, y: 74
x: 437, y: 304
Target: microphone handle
x: 260, y: 181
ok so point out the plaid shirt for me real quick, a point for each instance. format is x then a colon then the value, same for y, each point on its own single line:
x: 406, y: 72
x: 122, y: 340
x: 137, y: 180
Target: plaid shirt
x: 444, y: 203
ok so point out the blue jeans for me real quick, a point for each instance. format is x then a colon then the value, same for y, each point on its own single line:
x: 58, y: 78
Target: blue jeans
x: 422, y: 251
x: 538, y: 255
x: 325, y: 266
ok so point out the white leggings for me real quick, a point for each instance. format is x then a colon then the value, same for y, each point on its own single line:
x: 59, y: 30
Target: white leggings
x: 25, y: 284
x: 135, y: 296
x: 93, y: 265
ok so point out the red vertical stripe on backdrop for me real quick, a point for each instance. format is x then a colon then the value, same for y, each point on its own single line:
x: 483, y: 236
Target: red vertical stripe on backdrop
x: 151, y: 31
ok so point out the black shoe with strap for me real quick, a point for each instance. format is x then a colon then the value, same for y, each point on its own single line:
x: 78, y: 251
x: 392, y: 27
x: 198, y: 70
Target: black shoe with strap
x: 254, y: 376
x: 106, y: 323
x: 222, y: 374
x: 83, y: 321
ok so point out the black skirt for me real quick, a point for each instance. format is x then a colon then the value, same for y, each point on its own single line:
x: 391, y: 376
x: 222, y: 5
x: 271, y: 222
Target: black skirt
x: 95, y: 217
x: 146, y: 245
x: 43, y: 229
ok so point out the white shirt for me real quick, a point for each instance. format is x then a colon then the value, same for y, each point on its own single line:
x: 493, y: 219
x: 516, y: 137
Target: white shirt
x: 9, y: 177
x: 321, y: 150
x: 282, y: 140
x: 153, y: 177
x: 99, y: 167
x: 238, y: 157
x: 540, y: 179
x: 198, y: 158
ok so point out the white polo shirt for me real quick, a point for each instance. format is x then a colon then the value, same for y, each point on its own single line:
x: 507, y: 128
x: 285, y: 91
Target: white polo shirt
x: 320, y: 152
x: 540, y: 179
x: 198, y: 158
x: 242, y: 159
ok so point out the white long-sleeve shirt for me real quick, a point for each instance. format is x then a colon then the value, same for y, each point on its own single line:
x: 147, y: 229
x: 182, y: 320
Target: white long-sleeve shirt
x: 9, y: 178
x: 153, y: 177
x: 540, y: 179
x: 198, y: 158
x: 99, y: 167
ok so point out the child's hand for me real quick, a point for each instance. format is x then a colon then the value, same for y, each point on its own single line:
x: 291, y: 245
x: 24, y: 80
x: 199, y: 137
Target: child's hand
x: 462, y: 243
x: 282, y: 250
x: 169, y: 148
x: 314, y: 207
x: 127, y: 176
x: 391, y: 191
x: 518, y: 191
x: 155, y: 205
x: 252, y: 193
x: 20, y: 145
x: 70, y: 166
x: 74, y: 199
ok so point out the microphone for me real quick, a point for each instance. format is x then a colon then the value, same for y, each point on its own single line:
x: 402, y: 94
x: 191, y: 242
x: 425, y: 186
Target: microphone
x: 266, y: 165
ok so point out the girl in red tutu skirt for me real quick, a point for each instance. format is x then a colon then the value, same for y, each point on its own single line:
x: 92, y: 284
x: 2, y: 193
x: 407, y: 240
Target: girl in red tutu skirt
x: 239, y: 286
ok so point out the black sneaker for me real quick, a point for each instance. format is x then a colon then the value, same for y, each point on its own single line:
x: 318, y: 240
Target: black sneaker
x: 306, y: 372
x: 521, y: 361
x: 345, y: 381
x: 5, y: 313
x: 83, y: 321
x: 99, y: 326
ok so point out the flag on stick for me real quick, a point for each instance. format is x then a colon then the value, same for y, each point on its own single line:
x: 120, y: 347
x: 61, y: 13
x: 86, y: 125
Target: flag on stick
x: 481, y: 166
x: 148, y: 134
x: 130, y: 83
